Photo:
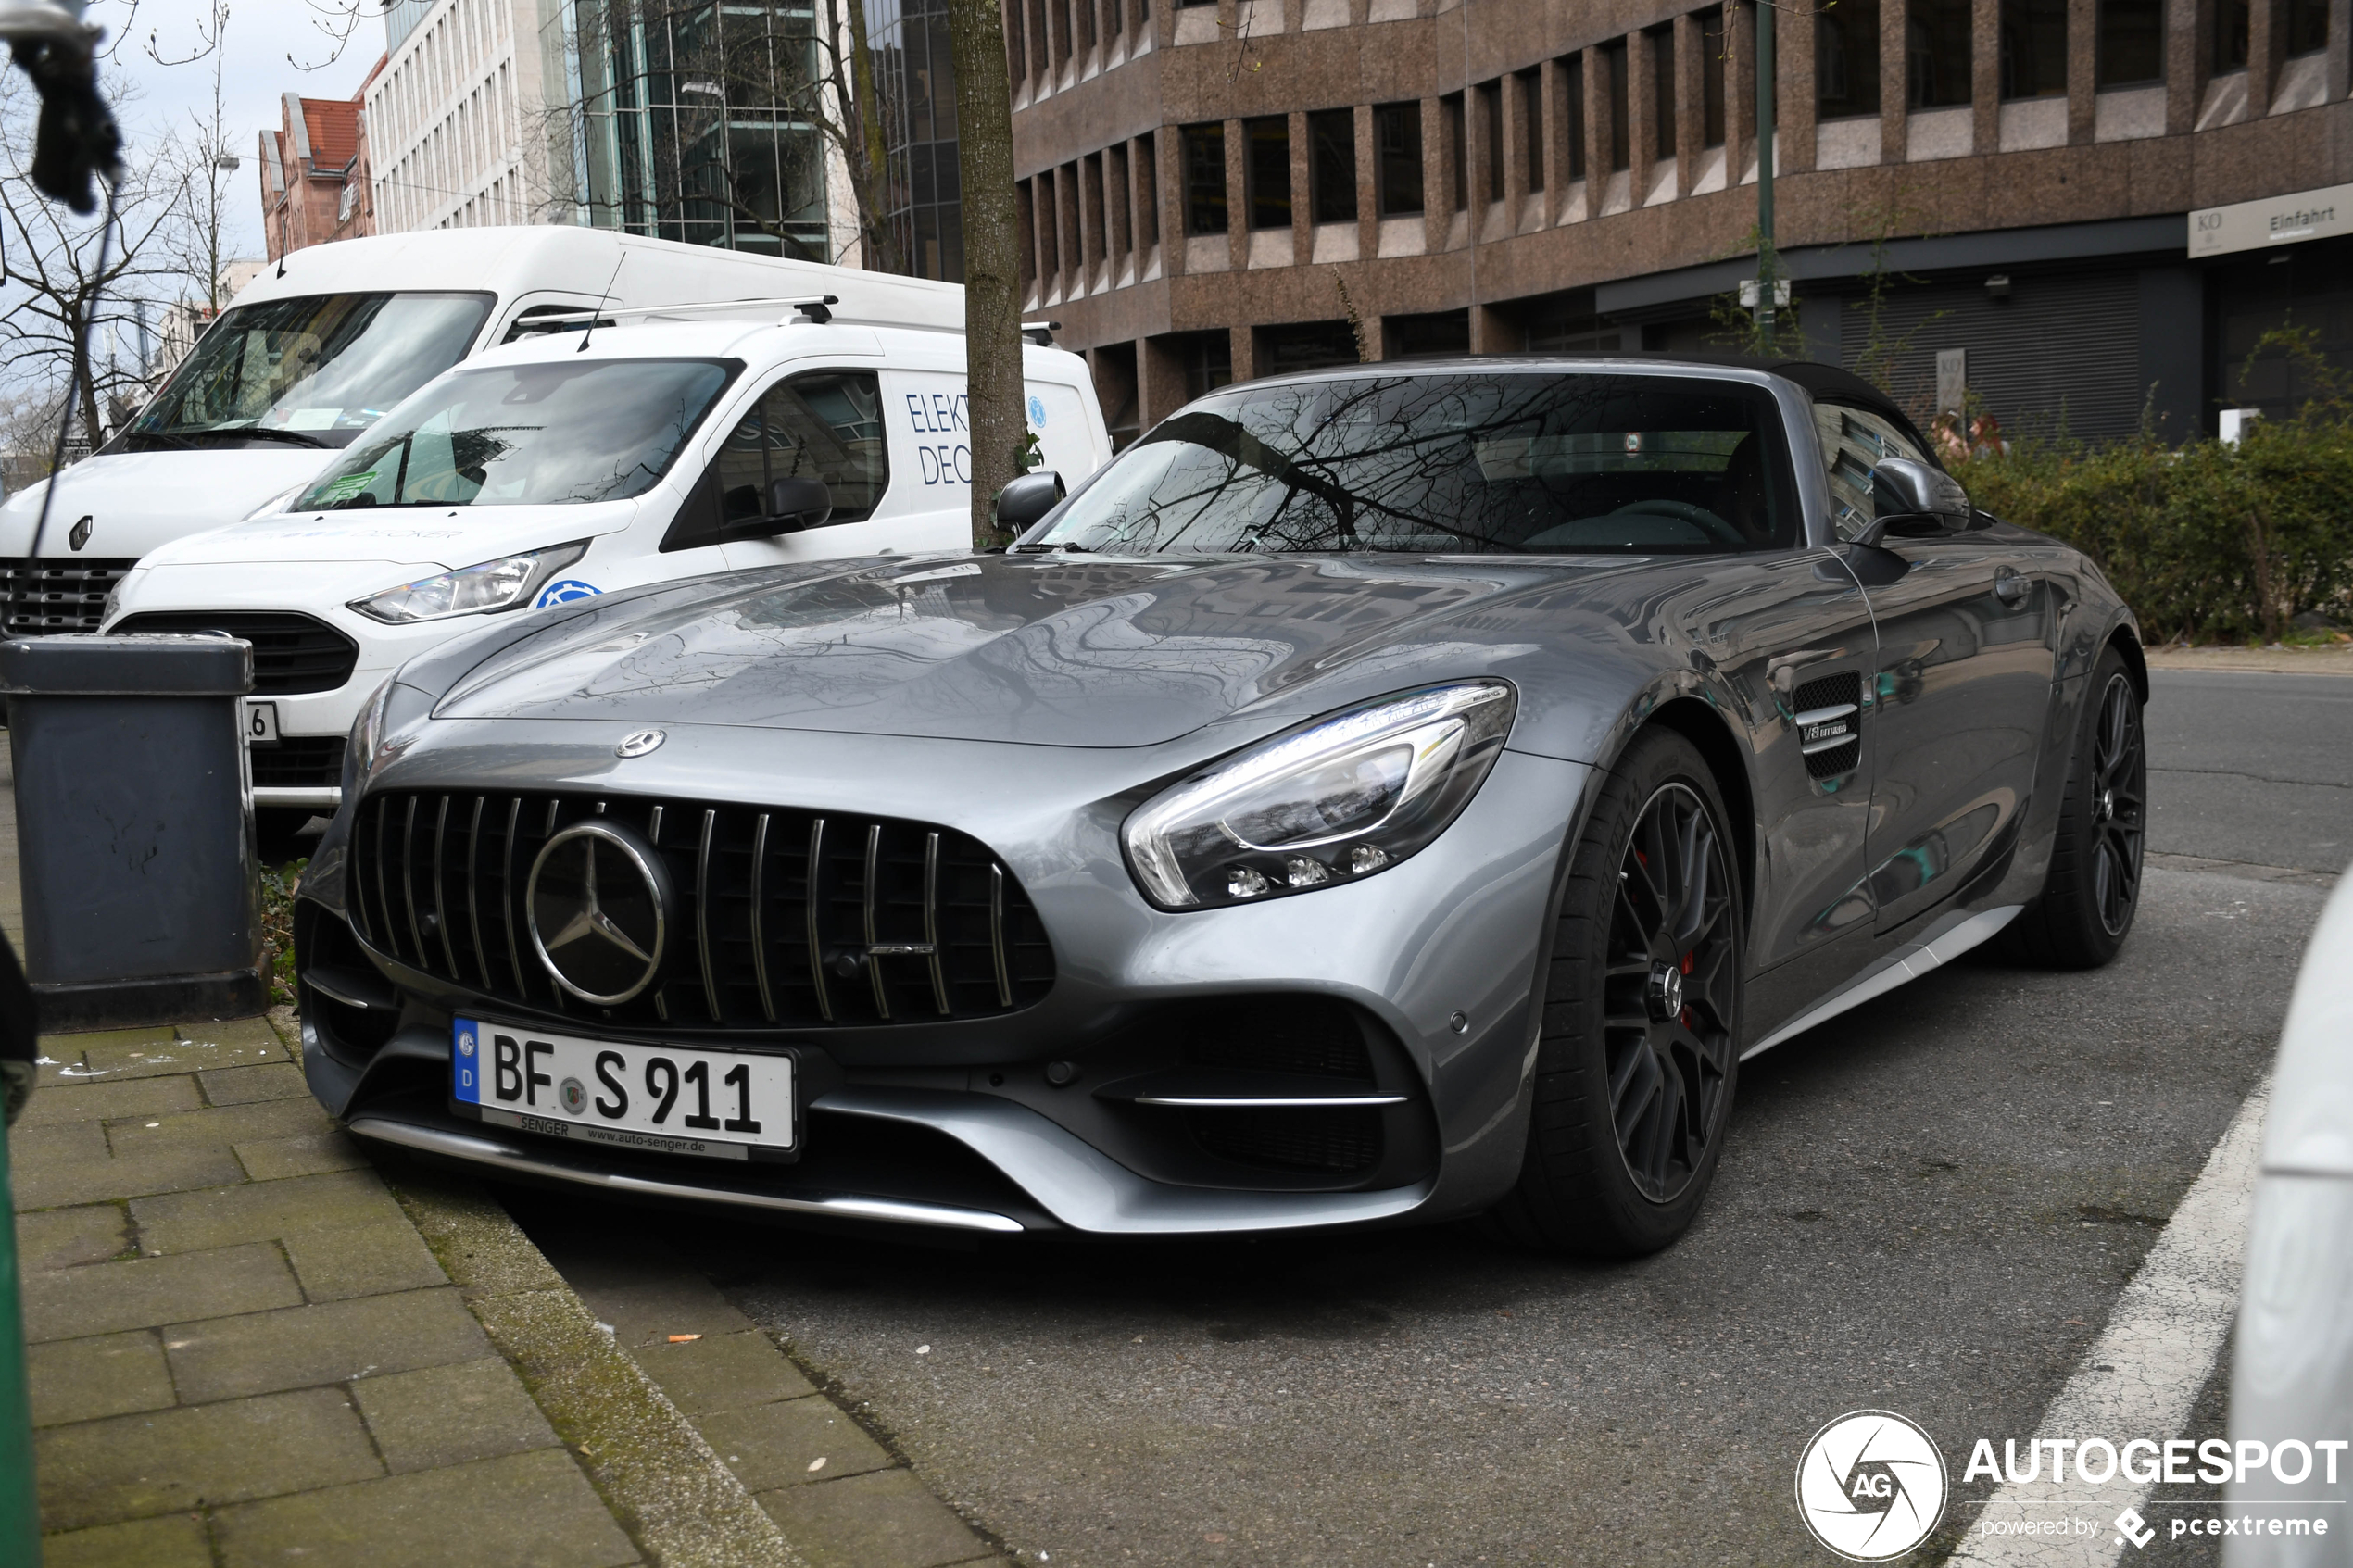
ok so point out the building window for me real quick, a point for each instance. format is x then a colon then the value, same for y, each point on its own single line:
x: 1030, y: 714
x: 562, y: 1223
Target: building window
x: 2230, y: 35
x: 1663, y: 95
x: 1397, y: 153
x: 2034, y: 48
x: 1621, y: 146
x: 1332, y: 164
x: 1846, y: 59
x: 1269, y: 170
x: 1208, y: 358
x: 1574, y: 67
x: 1205, y: 178
x: 2132, y: 43
x: 2308, y: 26
x: 1531, y: 121
x: 1457, y: 149
x: 1414, y: 337
x: 1490, y: 113
x: 1936, y: 53
x: 1305, y: 345
x: 1711, y: 77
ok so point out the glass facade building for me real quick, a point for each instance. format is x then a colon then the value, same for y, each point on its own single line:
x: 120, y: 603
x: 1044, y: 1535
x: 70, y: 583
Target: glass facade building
x: 691, y: 122
x: 915, y: 78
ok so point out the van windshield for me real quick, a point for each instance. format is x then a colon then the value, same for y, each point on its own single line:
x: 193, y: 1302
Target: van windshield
x: 548, y: 433
x: 313, y: 371
x: 1450, y: 463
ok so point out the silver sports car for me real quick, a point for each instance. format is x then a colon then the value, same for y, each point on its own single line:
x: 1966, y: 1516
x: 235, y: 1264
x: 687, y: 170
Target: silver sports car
x: 1389, y: 794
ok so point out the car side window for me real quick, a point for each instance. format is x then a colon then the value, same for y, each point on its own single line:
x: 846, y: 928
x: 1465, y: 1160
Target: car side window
x: 826, y: 424
x: 1854, y: 440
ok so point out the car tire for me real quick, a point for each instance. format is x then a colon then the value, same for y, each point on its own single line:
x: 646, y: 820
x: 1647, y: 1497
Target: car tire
x: 1631, y: 1100
x: 2093, y: 890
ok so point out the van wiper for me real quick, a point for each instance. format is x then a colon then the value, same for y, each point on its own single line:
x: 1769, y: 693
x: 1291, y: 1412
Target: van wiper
x: 292, y: 437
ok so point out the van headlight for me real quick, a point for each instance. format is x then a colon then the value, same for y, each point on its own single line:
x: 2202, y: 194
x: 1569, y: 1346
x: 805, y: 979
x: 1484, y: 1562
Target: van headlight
x: 1338, y: 801
x: 508, y: 582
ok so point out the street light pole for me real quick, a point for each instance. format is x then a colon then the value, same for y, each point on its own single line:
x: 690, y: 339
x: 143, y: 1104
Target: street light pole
x: 1767, y: 262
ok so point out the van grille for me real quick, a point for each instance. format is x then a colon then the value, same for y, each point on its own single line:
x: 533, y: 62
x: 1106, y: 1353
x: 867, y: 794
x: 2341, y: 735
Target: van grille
x: 41, y: 598
x: 299, y: 762
x: 292, y: 653
x: 782, y: 919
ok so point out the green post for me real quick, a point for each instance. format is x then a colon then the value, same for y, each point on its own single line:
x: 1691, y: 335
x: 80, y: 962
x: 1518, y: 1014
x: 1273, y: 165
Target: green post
x: 1767, y: 264
x: 19, y: 1512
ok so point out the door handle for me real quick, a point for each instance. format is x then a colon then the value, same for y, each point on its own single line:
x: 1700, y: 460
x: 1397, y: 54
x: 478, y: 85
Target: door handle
x: 2009, y: 587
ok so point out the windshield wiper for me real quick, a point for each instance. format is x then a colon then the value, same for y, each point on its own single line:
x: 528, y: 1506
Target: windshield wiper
x: 293, y: 437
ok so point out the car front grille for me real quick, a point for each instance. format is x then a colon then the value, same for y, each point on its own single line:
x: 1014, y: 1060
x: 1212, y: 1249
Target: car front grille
x: 299, y: 762
x: 780, y: 919
x: 292, y: 653
x: 41, y: 598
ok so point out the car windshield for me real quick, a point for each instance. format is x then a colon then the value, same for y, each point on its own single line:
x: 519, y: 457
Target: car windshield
x: 1451, y: 462
x: 524, y: 436
x: 313, y: 371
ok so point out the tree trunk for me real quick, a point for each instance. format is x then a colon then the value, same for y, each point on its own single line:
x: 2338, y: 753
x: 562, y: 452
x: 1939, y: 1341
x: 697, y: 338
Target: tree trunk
x: 882, y: 243
x: 1000, y: 424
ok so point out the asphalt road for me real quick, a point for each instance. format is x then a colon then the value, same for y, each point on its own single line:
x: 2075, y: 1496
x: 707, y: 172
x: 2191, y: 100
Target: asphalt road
x: 1927, y: 1206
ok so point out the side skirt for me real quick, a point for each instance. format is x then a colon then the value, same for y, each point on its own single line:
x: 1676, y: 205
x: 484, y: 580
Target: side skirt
x: 1906, y: 963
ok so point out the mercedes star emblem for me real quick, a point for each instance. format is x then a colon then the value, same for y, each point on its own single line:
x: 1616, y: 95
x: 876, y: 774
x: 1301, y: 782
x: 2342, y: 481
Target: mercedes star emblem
x: 640, y: 743
x: 596, y: 902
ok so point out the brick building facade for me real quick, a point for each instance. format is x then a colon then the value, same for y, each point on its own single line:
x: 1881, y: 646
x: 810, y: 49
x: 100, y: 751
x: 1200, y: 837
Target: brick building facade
x: 1222, y: 190
x: 314, y: 173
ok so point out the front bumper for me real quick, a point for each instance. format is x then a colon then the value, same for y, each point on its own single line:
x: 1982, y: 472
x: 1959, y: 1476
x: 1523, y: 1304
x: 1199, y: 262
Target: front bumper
x: 1437, y: 955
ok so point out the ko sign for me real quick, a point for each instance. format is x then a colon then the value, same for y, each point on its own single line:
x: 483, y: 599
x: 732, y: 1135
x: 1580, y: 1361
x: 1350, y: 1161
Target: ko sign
x: 2302, y: 215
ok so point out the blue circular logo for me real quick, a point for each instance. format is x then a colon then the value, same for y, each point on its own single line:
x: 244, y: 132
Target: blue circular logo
x: 1037, y: 410
x: 564, y: 592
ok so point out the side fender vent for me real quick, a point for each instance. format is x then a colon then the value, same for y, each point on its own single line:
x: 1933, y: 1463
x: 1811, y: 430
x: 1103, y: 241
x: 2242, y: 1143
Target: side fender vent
x: 1828, y: 716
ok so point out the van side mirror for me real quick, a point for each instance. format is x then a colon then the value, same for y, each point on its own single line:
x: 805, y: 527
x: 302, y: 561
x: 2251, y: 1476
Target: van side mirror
x: 1028, y: 498
x: 1911, y: 499
x: 795, y: 504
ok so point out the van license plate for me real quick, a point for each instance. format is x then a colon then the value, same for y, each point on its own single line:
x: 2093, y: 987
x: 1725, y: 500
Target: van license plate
x: 659, y: 1098
x: 261, y: 723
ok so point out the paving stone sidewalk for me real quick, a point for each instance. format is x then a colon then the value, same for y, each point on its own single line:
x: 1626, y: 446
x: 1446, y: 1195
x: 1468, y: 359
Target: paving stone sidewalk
x: 251, y: 1342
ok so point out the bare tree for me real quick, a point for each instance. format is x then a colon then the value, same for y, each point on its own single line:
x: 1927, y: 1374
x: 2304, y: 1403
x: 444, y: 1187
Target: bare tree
x: 63, y: 278
x: 1000, y: 438
x: 202, y: 161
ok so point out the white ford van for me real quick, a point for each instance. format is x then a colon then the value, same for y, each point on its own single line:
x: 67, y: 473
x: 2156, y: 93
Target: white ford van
x: 310, y: 352
x: 557, y: 468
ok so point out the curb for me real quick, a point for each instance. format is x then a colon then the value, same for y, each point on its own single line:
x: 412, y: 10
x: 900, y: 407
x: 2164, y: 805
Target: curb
x: 662, y: 1482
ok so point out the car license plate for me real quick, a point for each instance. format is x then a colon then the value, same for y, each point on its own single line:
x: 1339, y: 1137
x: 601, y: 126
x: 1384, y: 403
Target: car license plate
x: 261, y: 723
x: 661, y: 1098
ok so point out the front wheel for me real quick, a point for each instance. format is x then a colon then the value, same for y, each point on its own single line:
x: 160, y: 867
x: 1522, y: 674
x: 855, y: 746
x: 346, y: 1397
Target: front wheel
x: 1638, y: 1053
x: 2088, y: 900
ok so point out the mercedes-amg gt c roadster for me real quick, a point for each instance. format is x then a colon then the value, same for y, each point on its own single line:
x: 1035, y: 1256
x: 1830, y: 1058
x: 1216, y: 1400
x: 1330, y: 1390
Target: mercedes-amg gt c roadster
x: 1383, y: 795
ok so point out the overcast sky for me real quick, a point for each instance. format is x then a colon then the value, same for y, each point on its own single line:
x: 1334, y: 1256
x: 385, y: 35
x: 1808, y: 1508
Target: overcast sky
x: 254, y: 72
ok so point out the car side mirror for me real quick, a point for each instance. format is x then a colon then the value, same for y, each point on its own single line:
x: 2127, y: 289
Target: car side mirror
x: 1027, y: 500
x: 1911, y: 499
x: 795, y: 504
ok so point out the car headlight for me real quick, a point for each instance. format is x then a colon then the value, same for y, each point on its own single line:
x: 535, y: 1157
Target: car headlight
x: 1338, y: 801
x: 508, y: 582
x: 367, y: 735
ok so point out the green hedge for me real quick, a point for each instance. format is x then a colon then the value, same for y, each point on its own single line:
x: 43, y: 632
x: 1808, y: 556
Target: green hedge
x: 2206, y: 542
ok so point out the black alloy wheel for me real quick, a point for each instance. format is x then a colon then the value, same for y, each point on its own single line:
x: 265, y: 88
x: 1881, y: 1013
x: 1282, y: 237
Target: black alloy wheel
x: 2085, y: 909
x: 1668, y: 1030
x: 1639, y: 992
x: 2120, y: 804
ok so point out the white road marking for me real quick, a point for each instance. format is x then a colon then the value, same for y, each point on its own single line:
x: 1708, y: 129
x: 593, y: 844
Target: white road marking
x: 2144, y: 1373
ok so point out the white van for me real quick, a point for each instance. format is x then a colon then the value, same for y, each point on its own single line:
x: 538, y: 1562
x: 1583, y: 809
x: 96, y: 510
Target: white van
x: 558, y: 468
x: 315, y: 349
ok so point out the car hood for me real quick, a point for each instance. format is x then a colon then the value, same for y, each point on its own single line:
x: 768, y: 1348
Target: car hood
x: 1057, y: 650
x: 138, y: 500
x: 439, y: 538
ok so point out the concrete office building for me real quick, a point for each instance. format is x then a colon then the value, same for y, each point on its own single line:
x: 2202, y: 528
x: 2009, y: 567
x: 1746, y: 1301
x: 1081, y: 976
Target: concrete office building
x: 1230, y: 188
